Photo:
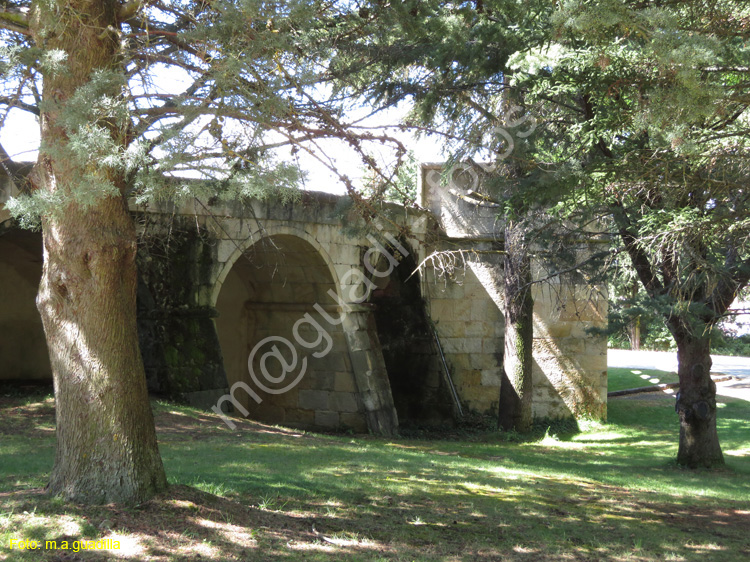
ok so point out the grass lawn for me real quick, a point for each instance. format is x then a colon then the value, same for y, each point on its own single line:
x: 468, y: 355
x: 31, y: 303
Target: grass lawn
x: 607, y: 493
x: 621, y: 379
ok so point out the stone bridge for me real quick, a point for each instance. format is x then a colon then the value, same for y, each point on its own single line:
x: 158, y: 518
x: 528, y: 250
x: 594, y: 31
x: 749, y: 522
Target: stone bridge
x: 314, y: 319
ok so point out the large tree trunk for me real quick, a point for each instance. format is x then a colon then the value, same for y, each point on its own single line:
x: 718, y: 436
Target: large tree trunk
x: 106, y: 442
x: 696, y: 403
x: 516, y: 388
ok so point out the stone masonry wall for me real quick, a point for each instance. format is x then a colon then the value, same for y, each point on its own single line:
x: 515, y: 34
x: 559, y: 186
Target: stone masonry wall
x: 196, y: 342
x: 467, y: 313
x: 570, y: 364
x: 346, y: 389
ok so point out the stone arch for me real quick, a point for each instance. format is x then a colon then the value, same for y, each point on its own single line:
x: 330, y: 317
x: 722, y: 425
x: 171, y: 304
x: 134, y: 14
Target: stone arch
x: 275, y: 305
x: 240, y: 248
x: 23, y: 347
x: 418, y: 385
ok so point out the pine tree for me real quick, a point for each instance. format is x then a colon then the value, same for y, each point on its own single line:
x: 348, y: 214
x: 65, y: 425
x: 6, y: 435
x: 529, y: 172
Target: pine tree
x: 642, y: 113
x: 130, y: 97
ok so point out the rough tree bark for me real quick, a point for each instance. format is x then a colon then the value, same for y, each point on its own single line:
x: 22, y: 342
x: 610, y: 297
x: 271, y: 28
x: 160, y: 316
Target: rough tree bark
x: 696, y: 404
x: 515, y: 391
x: 106, y: 441
x: 515, y: 407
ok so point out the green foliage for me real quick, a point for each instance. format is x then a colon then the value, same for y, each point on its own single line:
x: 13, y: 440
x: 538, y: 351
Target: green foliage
x: 724, y: 343
x: 399, y: 189
x: 657, y: 337
x: 642, y: 115
x: 221, y: 91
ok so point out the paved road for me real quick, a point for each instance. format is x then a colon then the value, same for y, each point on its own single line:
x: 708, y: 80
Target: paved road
x: 667, y: 361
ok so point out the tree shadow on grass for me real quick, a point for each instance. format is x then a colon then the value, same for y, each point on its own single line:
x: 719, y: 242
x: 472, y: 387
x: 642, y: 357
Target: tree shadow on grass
x: 546, y: 519
x: 293, y: 496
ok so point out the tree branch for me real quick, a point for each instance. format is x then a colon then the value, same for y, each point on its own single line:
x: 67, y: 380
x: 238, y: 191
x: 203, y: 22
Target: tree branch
x: 13, y: 19
x: 640, y: 259
x: 13, y: 102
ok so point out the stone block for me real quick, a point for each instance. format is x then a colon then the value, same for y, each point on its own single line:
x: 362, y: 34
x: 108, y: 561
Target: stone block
x: 442, y: 310
x: 344, y: 382
x: 451, y: 329
x: 571, y: 347
x: 593, y: 363
x: 453, y: 291
x: 542, y: 385
x: 480, y: 329
x: 320, y: 378
x: 557, y: 370
x: 343, y: 402
x: 480, y: 398
x: 313, y: 399
x: 370, y: 400
x: 300, y: 418
x: 262, y: 292
x: 327, y: 419
x: 338, y: 361
x: 349, y: 254
x: 356, y: 321
x: 550, y: 410
x: 278, y: 323
x: 577, y: 311
x: 359, y: 341
x: 553, y: 329
x: 233, y: 229
x: 285, y: 291
x: 294, y: 274
x: 362, y: 362
x: 545, y: 346
x: 342, y: 269
x: 355, y: 422
x: 491, y: 377
x: 579, y: 329
x: 492, y: 346
x: 203, y: 294
x: 460, y: 361
x: 461, y: 345
x: 483, y: 361
x: 477, y: 291
x: 268, y: 413
x: 546, y: 311
x: 596, y: 345
x: 468, y: 378
x: 538, y: 376
x: 285, y: 400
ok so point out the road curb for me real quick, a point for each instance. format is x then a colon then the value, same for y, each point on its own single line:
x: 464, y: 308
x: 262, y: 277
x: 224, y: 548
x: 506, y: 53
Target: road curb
x: 717, y: 377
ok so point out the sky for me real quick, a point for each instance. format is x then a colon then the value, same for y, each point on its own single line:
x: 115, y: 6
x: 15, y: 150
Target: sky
x: 20, y: 138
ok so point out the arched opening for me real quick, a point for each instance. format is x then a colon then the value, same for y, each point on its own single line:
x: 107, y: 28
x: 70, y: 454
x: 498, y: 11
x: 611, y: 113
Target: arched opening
x: 420, y: 393
x: 23, y: 347
x: 275, y: 306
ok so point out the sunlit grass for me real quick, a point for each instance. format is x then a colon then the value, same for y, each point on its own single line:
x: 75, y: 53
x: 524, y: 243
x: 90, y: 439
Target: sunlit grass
x: 609, y: 492
x: 624, y: 378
